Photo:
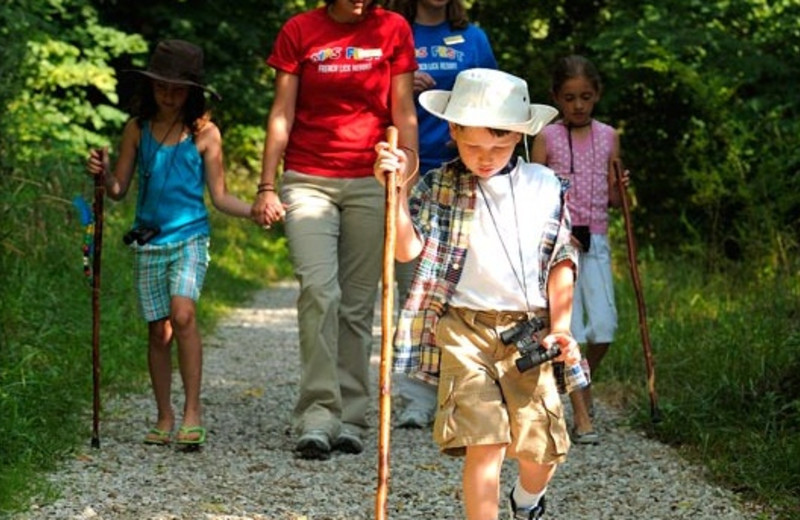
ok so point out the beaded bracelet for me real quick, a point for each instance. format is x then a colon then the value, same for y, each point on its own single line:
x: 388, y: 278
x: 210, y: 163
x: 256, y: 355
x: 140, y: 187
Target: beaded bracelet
x: 264, y: 190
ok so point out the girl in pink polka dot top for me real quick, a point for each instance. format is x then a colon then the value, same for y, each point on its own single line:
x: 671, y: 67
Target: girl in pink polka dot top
x: 581, y: 149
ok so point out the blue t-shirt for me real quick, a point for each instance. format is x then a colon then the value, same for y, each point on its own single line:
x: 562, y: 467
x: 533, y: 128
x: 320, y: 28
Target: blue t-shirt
x: 171, y: 186
x: 443, y: 52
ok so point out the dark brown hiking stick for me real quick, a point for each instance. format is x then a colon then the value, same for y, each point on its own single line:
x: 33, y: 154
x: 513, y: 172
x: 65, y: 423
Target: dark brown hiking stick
x: 97, y: 209
x: 387, y: 314
x: 655, y: 413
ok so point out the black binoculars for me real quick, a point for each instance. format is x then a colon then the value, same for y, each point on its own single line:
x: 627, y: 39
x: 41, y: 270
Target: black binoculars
x: 141, y: 235
x: 523, y: 335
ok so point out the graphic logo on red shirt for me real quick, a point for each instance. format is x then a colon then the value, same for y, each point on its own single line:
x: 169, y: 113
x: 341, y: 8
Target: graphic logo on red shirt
x: 332, y: 53
x: 350, y: 53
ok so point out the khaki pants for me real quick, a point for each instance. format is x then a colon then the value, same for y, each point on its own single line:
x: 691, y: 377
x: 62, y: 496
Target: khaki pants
x: 335, y: 233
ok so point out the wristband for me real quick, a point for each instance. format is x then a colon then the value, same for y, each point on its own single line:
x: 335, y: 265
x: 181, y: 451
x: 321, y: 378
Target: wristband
x: 416, y: 158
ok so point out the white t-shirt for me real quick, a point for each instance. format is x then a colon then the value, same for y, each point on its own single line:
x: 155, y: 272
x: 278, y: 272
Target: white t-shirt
x: 492, y: 277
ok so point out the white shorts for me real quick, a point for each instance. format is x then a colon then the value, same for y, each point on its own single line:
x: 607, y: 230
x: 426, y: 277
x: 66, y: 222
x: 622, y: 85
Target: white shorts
x: 594, y: 315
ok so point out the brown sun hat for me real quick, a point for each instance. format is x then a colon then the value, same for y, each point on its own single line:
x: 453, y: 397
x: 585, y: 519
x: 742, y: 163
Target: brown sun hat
x: 179, y: 62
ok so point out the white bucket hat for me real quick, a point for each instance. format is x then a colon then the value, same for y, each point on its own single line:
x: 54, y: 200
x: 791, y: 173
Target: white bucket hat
x: 488, y: 98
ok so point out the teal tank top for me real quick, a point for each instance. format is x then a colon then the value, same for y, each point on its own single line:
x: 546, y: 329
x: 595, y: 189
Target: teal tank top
x: 171, y: 187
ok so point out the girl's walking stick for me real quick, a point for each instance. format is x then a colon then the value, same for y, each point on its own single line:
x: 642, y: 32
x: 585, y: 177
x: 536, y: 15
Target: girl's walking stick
x: 387, y: 314
x: 655, y: 414
x: 97, y: 208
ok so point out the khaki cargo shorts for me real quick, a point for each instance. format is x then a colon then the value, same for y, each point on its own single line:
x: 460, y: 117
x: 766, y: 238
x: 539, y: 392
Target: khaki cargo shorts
x: 484, y: 399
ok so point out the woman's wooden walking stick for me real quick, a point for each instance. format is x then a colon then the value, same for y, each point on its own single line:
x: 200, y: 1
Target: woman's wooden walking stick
x: 655, y: 414
x: 387, y: 316
x: 97, y: 244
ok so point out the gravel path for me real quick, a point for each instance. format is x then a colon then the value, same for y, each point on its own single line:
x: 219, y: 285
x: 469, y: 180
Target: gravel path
x: 247, y: 470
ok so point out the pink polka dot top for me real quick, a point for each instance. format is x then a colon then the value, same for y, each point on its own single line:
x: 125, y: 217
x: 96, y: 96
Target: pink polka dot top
x: 584, y: 161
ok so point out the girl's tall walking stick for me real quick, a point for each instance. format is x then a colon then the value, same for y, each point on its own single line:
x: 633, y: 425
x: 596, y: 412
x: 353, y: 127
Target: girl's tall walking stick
x: 97, y: 208
x: 655, y: 414
x: 387, y: 315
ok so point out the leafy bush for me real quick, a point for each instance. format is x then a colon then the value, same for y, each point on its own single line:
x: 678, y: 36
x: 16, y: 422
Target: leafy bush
x: 726, y: 361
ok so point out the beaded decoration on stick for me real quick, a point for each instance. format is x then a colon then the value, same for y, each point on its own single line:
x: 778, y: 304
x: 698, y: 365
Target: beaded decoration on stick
x: 87, y: 247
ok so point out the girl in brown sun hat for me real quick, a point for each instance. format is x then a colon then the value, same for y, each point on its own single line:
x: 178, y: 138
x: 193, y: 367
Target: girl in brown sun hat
x: 177, y: 150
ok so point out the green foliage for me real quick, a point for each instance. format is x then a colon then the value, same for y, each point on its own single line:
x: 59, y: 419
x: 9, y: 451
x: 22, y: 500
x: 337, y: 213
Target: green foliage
x: 14, y: 22
x: 726, y: 362
x: 698, y: 91
x: 45, y: 355
x: 236, y: 38
x: 58, y: 111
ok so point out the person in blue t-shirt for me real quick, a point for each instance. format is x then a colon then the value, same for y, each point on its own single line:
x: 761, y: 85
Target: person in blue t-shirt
x: 445, y: 43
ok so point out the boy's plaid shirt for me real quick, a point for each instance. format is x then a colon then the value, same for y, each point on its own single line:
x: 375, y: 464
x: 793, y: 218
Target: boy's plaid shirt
x: 442, y: 206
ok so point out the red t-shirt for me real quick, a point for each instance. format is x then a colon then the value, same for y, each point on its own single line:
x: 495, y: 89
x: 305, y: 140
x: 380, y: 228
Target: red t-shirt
x: 345, y: 70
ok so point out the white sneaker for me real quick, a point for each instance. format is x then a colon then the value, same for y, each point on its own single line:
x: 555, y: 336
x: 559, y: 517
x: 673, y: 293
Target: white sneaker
x: 526, y: 513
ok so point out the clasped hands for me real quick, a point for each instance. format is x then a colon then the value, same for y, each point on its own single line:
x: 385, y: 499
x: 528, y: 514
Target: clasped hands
x: 267, y: 209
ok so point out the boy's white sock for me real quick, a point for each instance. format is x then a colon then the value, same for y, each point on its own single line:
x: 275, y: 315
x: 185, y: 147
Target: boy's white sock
x: 525, y: 500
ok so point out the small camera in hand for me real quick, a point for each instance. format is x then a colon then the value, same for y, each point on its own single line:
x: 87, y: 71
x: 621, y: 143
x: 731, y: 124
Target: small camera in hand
x: 583, y: 236
x: 141, y: 235
x: 532, y: 353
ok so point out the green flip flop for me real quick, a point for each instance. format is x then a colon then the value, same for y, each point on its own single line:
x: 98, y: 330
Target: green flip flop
x: 158, y: 437
x: 191, y: 436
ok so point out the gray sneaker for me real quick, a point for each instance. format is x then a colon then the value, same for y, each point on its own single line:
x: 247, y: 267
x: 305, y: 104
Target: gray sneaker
x: 314, y: 445
x: 414, y: 418
x: 587, y: 438
x: 349, y: 441
x: 526, y: 513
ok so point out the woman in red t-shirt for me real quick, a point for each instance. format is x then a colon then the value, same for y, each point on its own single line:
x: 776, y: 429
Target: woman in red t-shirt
x: 344, y: 73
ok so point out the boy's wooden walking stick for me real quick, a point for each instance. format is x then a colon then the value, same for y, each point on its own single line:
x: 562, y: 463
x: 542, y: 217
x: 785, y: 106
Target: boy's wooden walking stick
x: 655, y: 414
x: 97, y: 209
x: 387, y: 315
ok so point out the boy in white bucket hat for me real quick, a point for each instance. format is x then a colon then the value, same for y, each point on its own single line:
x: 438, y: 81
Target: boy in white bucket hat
x: 492, y: 234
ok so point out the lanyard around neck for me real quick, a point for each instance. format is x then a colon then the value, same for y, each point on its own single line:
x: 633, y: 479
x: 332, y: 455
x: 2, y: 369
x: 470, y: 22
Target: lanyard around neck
x: 148, y: 168
x: 572, y: 163
x: 521, y: 279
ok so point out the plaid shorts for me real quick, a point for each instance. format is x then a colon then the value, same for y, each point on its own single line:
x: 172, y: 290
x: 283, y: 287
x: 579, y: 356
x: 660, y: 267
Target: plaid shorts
x: 163, y: 271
